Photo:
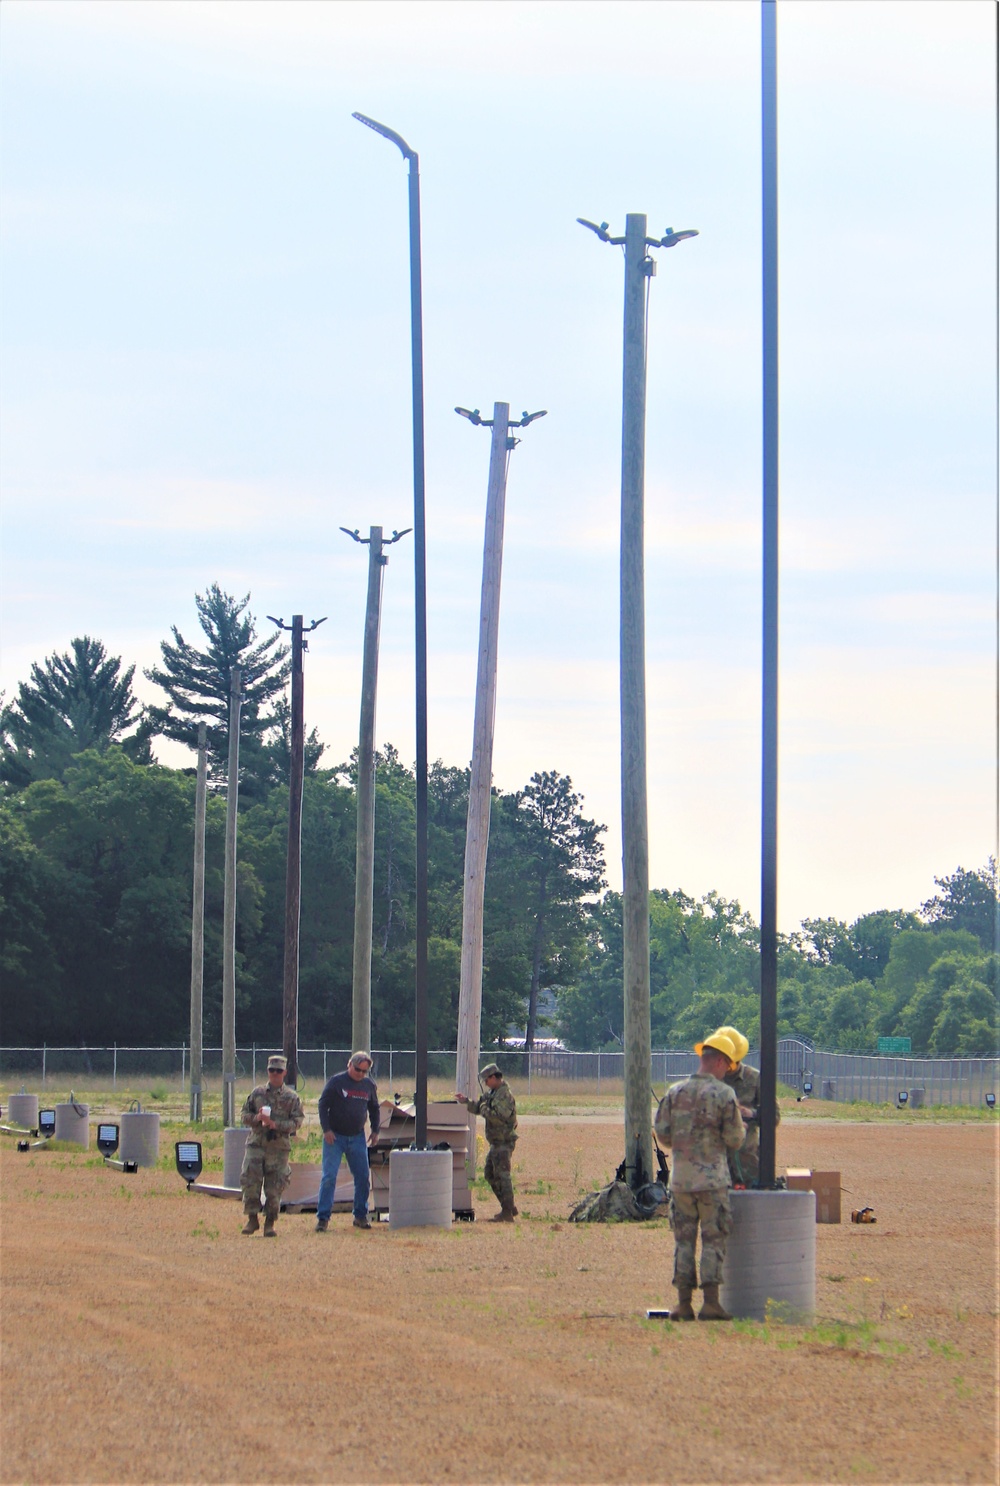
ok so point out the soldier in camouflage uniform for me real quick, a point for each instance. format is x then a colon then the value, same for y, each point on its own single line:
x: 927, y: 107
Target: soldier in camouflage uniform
x: 744, y: 1080
x: 500, y: 1113
x: 268, y: 1144
x: 699, y: 1119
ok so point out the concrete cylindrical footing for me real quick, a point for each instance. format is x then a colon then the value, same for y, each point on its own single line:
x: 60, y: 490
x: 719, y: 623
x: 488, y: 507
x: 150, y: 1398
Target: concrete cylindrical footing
x: 73, y: 1123
x: 771, y: 1256
x: 140, y: 1137
x: 22, y: 1109
x: 420, y: 1189
x: 916, y: 1098
x: 234, y: 1144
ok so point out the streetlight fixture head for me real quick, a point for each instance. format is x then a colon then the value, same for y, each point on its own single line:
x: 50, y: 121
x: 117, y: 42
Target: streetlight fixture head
x: 386, y: 133
x: 670, y: 238
x: 472, y: 416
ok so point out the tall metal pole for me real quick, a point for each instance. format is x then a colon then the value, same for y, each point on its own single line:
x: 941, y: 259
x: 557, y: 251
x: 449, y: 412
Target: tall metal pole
x: 229, y: 909
x: 198, y: 924
x: 364, y: 875
x: 420, y: 625
x: 293, y: 863
x: 635, y: 837
x: 769, y: 697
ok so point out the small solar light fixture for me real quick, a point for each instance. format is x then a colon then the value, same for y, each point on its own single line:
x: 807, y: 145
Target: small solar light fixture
x: 107, y: 1139
x: 991, y: 1100
x: 187, y: 1154
x: 47, y: 1123
x: 902, y: 1097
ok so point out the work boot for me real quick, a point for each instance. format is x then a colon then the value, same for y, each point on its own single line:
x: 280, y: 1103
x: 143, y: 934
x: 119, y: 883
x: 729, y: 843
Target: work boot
x: 362, y: 1222
x: 270, y: 1217
x: 251, y: 1225
x: 505, y: 1215
x: 322, y: 1224
x: 683, y: 1310
x: 711, y: 1310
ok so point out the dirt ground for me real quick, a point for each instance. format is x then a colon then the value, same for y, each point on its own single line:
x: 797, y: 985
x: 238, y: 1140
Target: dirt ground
x: 145, y: 1340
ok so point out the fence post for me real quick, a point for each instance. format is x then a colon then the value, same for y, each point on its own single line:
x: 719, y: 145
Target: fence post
x: 390, y: 1065
x: 598, y: 1073
x: 253, y: 1064
x: 529, y: 1072
x: 183, y: 1065
x: 114, y: 1069
x: 324, y: 1065
x: 43, y: 1064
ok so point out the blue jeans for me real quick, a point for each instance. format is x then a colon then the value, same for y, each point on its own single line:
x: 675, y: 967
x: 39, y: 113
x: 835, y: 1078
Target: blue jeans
x: 355, y: 1148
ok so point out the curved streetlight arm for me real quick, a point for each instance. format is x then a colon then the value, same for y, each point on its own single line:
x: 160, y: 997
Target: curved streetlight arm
x: 387, y: 133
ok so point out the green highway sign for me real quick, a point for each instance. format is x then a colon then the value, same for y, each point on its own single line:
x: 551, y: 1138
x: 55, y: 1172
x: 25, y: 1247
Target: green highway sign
x: 894, y: 1044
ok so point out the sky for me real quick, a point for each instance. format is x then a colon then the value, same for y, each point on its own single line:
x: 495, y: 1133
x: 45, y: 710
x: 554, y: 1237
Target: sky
x: 204, y: 374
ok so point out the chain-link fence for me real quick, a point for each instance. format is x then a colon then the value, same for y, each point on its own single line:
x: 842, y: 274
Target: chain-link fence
x: 833, y: 1076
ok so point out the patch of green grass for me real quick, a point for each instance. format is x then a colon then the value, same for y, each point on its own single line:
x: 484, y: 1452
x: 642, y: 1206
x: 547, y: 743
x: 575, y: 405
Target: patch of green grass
x: 202, y: 1229
x: 159, y: 1093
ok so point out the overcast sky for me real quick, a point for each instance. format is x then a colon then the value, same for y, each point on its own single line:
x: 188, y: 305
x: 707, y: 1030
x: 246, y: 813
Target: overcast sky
x: 205, y: 374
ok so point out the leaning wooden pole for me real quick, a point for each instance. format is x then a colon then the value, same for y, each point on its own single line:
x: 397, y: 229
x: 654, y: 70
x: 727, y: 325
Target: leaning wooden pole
x: 364, y: 876
x: 477, y: 836
x: 635, y: 839
x: 229, y: 910
x: 293, y: 863
x: 198, y: 924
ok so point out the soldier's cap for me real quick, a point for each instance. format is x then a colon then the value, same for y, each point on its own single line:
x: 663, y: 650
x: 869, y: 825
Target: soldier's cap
x: 720, y: 1043
x: 740, y: 1043
x: 356, y: 1059
x: 492, y: 1070
x: 276, y: 1061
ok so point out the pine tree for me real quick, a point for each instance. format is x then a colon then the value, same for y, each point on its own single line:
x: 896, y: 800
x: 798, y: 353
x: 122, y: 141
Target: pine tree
x: 198, y: 681
x: 74, y: 701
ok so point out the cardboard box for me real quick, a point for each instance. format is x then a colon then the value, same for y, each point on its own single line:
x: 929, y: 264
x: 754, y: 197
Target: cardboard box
x: 826, y: 1185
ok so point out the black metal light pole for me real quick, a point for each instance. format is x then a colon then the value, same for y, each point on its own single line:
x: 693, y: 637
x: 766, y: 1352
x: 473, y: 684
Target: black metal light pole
x: 420, y: 600
x: 769, y: 688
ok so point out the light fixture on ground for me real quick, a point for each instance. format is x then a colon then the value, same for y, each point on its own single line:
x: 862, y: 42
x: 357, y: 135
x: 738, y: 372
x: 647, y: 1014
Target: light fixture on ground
x: 902, y: 1098
x: 991, y: 1100
x: 107, y: 1144
x: 187, y: 1155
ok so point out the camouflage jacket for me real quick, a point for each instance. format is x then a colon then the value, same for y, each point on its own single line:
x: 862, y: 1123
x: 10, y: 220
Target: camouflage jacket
x: 286, y: 1112
x: 699, y: 1119
x: 745, y: 1084
x: 500, y: 1113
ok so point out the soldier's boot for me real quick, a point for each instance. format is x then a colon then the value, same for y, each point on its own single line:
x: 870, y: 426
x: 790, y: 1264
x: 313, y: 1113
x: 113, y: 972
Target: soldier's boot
x: 270, y: 1218
x: 505, y: 1215
x: 711, y: 1310
x: 683, y: 1310
x: 252, y: 1224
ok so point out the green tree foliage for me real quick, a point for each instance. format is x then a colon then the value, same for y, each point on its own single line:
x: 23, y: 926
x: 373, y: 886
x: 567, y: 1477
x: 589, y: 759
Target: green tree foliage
x: 197, y: 683
x: 968, y: 900
x: 78, y: 700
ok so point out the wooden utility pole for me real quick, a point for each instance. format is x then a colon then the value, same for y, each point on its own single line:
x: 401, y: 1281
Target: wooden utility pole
x: 635, y: 836
x: 229, y: 909
x: 639, y: 267
x: 293, y: 857
x: 364, y: 861
x: 293, y: 865
x: 477, y: 834
x: 198, y: 924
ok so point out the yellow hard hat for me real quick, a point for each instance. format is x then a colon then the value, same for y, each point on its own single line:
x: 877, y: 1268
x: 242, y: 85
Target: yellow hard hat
x: 721, y: 1044
x: 739, y: 1042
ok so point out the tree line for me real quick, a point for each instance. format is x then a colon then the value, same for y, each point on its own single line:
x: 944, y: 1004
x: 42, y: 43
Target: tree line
x: 96, y: 845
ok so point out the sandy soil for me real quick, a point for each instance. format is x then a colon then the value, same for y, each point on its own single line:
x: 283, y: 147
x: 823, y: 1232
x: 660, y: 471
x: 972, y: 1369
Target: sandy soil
x: 145, y: 1340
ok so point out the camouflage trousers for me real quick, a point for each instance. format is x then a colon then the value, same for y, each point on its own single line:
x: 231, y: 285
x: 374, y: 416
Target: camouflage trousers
x: 264, y: 1166
x: 744, y: 1166
x: 497, y: 1173
x: 711, y: 1209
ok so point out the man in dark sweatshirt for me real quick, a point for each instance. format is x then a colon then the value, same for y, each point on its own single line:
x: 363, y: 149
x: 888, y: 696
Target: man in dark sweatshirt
x: 343, y: 1105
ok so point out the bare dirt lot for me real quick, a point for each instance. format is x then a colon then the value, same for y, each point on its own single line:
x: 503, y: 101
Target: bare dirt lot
x: 145, y: 1340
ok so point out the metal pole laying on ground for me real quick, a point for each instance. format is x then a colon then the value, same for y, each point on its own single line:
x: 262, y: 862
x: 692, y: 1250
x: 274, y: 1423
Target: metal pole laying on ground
x: 769, y: 689
x: 364, y: 862
x: 198, y: 923
x: 229, y: 909
x: 420, y: 618
x: 477, y: 834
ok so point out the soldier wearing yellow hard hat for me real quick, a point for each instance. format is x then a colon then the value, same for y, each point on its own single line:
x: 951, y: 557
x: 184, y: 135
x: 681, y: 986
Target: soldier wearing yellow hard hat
x: 744, y: 1080
x: 699, y: 1119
